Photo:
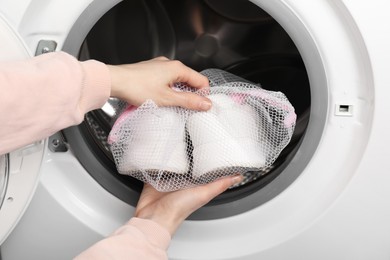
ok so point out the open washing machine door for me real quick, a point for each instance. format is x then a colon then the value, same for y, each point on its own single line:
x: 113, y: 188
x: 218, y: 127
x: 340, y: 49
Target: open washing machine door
x: 328, y: 197
x: 19, y: 170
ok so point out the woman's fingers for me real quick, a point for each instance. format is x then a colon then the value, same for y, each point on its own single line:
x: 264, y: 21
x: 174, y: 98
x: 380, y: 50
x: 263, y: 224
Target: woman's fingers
x: 188, y: 75
x: 188, y: 100
x: 209, y: 191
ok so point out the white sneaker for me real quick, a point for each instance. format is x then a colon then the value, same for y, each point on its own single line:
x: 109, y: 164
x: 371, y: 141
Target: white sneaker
x: 226, y: 136
x: 156, y: 144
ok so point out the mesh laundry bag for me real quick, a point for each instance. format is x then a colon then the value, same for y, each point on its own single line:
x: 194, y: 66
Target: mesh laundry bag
x: 175, y: 148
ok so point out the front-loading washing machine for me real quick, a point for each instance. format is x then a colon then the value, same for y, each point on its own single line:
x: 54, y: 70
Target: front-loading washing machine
x: 327, y: 195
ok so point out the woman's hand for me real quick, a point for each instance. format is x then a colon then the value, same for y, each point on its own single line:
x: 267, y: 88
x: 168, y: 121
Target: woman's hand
x: 170, y: 209
x: 153, y: 79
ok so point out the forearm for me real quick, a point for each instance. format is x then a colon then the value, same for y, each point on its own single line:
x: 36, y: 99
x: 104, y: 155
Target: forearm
x: 46, y: 94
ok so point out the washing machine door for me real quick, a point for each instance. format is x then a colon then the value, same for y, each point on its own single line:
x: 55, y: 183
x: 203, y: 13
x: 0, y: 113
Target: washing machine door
x: 19, y: 170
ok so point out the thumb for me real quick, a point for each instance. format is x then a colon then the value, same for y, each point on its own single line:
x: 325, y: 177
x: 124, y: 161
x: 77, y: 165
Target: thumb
x: 209, y: 191
x: 189, y: 100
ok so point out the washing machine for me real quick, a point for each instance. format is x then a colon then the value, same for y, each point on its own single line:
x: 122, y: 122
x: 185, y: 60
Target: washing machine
x: 327, y: 196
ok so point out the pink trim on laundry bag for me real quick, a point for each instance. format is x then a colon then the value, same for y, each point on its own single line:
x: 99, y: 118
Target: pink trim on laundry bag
x: 127, y: 113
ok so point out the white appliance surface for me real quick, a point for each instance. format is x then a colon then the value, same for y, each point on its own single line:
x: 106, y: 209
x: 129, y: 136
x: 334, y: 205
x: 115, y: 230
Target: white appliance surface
x: 338, y: 207
x: 21, y: 176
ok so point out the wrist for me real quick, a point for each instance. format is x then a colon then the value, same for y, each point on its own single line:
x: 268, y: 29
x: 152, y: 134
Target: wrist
x: 168, y: 221
x: 114, y: 91
x: 96, y: 85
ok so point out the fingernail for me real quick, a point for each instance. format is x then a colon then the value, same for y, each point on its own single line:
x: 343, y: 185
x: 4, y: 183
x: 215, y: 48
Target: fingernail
x: 205, y: 105
x: 237, y: 179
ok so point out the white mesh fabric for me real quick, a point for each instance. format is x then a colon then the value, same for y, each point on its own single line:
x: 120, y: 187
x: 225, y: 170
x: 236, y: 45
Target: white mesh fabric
x: 175, y: 148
